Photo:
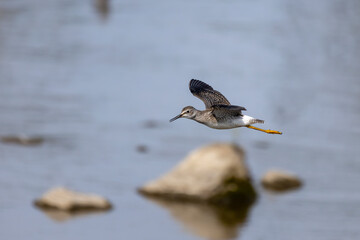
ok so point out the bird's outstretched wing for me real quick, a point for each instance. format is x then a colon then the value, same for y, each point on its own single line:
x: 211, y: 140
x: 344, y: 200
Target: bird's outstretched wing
x: 207, y: 94
x: 227, y: 111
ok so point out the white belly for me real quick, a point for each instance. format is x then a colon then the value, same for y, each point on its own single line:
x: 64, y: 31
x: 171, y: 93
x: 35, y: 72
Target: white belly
x: 233, y: 123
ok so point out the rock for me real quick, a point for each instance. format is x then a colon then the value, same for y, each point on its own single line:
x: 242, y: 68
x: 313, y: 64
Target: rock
x: 151, y: 124
x: 103, y: 8
x: 22, y: 140
x: 67, y: 200
x: 280, y: 180
x: 141, y: 148
x: 215, y: 173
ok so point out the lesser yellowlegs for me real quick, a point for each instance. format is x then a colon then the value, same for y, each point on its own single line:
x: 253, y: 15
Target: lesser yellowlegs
x: 219, y: 113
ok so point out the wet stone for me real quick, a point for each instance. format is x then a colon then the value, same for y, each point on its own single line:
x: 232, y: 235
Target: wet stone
x: 67, y: 200
x: 280, y: 180
x: 22, y: 140
x: 216, y: 174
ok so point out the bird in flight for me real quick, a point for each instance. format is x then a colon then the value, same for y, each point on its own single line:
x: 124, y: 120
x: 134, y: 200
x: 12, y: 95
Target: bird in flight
x: 219, y: 113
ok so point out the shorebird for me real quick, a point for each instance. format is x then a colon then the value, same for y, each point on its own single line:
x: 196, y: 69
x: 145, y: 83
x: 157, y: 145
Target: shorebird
x: 219, y: 113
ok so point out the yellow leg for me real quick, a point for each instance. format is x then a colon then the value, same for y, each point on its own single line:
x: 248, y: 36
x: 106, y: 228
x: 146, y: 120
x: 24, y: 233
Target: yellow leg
x: 263, y: 130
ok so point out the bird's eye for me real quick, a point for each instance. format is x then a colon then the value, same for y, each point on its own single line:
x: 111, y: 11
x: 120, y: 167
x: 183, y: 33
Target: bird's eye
x: 187, y: 111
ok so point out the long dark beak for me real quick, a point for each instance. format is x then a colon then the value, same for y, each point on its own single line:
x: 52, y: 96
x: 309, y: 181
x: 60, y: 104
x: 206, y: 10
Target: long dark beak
x: 178, y: 116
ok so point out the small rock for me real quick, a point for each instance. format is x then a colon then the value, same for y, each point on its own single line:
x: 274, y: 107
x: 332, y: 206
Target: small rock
x: 22, y: 140
x: 215, y: 173
x: 103, y: 8
x: 280, y: 180
x: 141, y: 149
x: 150, y: 124
x: 67, y: 200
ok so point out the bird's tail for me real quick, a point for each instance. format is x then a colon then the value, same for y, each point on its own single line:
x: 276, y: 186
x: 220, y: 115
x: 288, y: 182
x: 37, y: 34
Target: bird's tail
x: 257, y: 121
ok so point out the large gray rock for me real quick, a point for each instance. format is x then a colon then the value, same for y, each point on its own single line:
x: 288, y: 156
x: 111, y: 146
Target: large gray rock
x: 280, y: 180
x: 215, y: 173
x: 63, y: 199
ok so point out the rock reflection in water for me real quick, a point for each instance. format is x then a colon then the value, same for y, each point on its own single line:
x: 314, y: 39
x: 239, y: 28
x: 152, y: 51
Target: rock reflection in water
x: 63, y: 216
x: 205, y: 220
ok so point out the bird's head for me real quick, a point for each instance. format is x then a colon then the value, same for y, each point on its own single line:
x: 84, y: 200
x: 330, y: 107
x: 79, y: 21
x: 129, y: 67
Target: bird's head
x: 187, y: 112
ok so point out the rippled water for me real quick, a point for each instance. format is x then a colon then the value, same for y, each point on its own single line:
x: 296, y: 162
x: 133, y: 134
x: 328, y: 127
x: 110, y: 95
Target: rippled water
x: 99, y: 80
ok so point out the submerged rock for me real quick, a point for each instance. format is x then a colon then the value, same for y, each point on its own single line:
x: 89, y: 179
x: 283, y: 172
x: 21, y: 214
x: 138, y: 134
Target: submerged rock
x: 66, y: 200
x: 215, y: 173
x: 280, y: 180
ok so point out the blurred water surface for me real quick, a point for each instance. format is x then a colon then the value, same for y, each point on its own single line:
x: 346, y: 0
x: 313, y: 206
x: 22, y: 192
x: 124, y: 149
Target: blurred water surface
x: 90, y: 76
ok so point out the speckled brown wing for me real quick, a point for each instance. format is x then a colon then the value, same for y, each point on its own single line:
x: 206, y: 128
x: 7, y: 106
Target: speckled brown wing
x: 207, y: 94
